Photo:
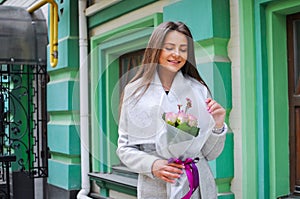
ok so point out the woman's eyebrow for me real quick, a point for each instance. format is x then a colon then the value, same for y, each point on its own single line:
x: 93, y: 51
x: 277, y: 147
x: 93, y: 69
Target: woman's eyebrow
x: 174, y: 44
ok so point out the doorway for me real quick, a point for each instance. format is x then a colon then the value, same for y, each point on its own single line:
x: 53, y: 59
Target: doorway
x: 293, y: 39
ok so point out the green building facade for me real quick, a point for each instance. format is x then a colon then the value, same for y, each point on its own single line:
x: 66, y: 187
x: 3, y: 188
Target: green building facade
x: 249, y: 78
x: 63, y: 108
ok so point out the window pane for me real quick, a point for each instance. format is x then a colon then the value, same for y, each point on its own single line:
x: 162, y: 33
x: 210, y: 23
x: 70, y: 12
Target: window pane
x: 129, y: 63
x: 297, y: 57
x: 128, y: 66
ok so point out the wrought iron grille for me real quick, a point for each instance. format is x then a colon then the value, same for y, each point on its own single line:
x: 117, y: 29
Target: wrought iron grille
x: 23, y: 119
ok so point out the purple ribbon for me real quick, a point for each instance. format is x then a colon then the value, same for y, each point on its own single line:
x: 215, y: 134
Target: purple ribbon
x: 192, y: 173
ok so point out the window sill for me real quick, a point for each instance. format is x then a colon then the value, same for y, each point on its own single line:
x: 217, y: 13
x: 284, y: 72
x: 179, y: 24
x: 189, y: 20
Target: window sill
x: 121, y: 180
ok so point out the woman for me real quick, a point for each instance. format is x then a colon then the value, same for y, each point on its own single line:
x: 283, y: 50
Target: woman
x: 165, y: 79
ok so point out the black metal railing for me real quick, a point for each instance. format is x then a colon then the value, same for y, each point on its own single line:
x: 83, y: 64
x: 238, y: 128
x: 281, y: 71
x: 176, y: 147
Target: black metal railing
x: 5, y: 162
x: 23, y: 118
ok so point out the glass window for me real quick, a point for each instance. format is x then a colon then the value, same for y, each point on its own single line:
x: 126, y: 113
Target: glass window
x: 297, y: 57
x: 129, y: 63
x: 128, y: 66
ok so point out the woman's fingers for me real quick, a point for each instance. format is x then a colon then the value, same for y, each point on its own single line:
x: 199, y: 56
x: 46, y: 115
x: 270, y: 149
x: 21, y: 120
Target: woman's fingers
x: 217, y: 111
x: 169, y: 176
x: 167, y: 172
x: 212, y: 105
x: 175, y: 165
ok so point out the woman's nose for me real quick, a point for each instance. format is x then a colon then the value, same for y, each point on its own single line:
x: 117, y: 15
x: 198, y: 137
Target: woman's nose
x: 176, y: 52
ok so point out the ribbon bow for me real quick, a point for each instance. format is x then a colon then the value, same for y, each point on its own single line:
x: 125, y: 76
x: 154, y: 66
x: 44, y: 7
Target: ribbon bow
x: 192, y: 173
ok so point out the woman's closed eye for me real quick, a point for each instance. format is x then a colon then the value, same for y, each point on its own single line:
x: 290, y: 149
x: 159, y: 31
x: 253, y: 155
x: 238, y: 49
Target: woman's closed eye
x: 183, y: 50
x: 169, y: 49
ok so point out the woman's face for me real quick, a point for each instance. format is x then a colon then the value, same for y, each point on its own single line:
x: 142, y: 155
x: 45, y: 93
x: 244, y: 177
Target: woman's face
x: 174, y: 52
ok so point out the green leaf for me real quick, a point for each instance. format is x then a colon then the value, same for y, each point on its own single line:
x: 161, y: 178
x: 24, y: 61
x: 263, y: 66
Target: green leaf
x: 184, y: 127
x: 188, y: 129
x: 194, y: 131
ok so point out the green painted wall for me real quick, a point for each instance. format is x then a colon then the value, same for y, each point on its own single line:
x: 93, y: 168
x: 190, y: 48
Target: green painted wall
x: 217, y: 75
x: 265, y: 111
x: 64, y: 175
x: 248, y: 97
x: 115, y: 11
x: 207, y: 19
x: 278, y: 94
x: 64, y: 139
x: 63, y: 103
x: 68, y: 47
x: 63, y: 96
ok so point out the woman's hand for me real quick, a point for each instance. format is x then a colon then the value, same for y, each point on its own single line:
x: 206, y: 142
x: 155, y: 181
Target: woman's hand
x: 217, y: 111
x: 167, y: 172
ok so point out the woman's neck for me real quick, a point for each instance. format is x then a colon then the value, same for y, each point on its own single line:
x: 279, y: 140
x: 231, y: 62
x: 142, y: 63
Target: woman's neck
x: 166, y: 77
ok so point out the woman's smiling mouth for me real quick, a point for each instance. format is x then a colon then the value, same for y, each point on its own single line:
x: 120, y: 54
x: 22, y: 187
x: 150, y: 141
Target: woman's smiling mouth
x: 174, y: 61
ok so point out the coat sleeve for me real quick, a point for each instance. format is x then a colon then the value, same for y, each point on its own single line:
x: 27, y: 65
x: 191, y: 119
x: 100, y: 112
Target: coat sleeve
x: 214, y: 145
x: 215, y: 142
x: 136, y: 160
x: 130, y: 154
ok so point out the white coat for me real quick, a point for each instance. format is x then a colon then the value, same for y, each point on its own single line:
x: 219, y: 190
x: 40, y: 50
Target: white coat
x: 140, y: 123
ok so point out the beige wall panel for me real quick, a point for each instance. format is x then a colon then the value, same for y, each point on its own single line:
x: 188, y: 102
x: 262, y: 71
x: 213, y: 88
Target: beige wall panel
x: 235, y: 115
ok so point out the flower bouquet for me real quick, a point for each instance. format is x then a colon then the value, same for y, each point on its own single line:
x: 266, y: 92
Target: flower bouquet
x: 182, y: 120
x: 181, y: 142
